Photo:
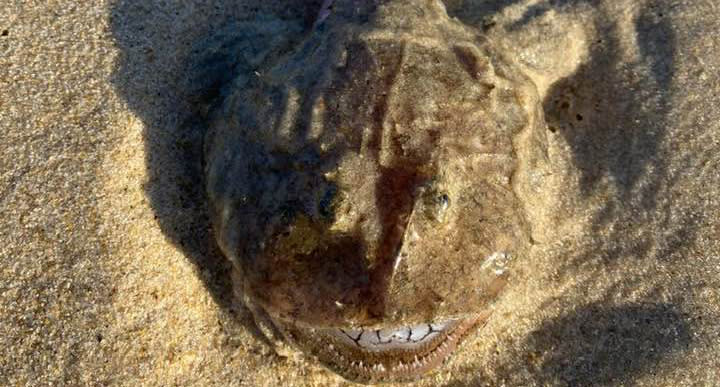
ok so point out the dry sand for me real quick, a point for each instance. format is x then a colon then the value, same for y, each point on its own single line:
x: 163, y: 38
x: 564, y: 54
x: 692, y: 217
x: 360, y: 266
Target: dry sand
x: 109, y: 276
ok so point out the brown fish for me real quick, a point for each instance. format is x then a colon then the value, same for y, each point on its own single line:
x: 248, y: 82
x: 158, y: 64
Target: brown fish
x: 365, y: 178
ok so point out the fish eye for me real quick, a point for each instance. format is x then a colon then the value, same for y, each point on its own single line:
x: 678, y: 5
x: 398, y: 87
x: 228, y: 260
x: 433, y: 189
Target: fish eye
x: 436, y: 204
x: 443, y: 201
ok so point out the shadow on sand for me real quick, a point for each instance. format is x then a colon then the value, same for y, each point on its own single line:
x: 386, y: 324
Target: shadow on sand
x: 595, y: 344
x: 155, y: 41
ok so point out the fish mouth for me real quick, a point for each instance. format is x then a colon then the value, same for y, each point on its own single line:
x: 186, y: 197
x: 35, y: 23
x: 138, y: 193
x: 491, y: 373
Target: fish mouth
x: 389, y: 354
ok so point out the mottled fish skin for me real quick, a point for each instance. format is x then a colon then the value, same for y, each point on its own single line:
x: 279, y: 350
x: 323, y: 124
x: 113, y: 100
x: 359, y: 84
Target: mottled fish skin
x: 371, y: 179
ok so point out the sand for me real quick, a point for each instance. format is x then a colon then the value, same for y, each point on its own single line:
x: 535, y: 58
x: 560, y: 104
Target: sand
x: 109, y: 275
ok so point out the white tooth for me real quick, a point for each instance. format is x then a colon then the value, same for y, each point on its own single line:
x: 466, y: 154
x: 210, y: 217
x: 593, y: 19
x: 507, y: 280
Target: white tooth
x: 354, y: 333
x: 368, y: 338
x: 402, y: 334
x: 439, y: 326
x: 386, y: 335
x: 419, y: 331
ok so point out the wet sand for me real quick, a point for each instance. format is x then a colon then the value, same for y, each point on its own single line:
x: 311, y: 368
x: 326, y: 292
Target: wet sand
x: 109, y: 274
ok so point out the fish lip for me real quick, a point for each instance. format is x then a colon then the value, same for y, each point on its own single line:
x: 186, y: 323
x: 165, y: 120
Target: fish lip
x: 395, y: 364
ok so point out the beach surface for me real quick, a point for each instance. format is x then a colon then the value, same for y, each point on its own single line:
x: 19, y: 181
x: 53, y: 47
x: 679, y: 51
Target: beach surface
x: 109, y: 274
